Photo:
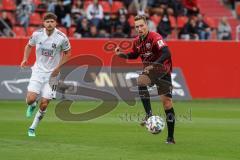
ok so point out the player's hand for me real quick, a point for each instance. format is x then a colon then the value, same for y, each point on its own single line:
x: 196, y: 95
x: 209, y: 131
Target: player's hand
x: 117, y: 51
x: 148, y: 69
x: 23, y: 63
x: 53, y: 82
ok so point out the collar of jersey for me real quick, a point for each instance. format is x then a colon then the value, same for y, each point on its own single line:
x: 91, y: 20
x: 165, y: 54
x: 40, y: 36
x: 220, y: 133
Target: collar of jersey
x: 45, y: 33
x: 142, y: 39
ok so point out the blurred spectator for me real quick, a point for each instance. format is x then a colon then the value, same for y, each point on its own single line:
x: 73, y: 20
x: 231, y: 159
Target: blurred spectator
x: 119, y: 33
x: 18, y: 2
x: 103, y: 34
x: 138, y: 6
x: 230, y: 3
x: 164, y: 27
x: 122, y: 11
x: 95, y: 13
x: 106, y: 24
x: 224, y: 30
x: 78, y: 10
x: 24, y: 9
x: 177, y: 7
x: 161, y: 3
x: 51, y: 5
x: 82, y: 29
x: 191, y: 7
x: 43, y: 6
x: 189, y: 31
x: 150, y: 3
x: 66, y: 20
x: 110, y: 2
x: 63, y: 10
x: 204, y: 30
x: 59, y: 11
x: 151, y: 24
x: 5, y: 25
x: 122, y: 21
x: 127, y: 3
x: 93, y: 32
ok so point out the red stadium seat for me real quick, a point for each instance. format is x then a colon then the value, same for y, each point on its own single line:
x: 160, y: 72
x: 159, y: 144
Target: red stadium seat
x: 63, y: 29
x: 131, y: 20
x: 8, y: 5
x: 181, y: 21
x: 37, y: 2
x: 19, y: 31
x: 156, y: 19
x: 173, y: 22
x: 86, y: 4
x: 35, y: 19
x: 238, y: 9
x: 71, y: 31
x: 10, y: 16
x: 106, y: 6
x: 211, y: 22
x: 30, y: 30
x: 116, y: 6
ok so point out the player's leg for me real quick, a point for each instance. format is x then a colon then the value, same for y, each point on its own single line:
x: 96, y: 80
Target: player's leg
x: 31, y: 98
x: 143, y: 82
x: 39, y: 116
x: 47, y: 95
x: 164, y: 86
x: 170, y: 116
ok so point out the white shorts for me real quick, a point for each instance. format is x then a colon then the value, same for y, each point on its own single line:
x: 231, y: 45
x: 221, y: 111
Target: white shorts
x: 39, y: 84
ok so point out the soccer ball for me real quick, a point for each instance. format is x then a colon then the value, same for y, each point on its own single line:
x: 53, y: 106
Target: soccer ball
x: 155, y: 124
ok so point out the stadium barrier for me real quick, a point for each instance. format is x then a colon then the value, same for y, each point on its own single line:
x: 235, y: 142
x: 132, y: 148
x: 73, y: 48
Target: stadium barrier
x: 210, y: 69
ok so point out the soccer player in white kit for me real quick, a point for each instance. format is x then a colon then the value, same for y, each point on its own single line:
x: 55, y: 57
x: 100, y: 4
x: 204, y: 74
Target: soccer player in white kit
x: 52, y: 51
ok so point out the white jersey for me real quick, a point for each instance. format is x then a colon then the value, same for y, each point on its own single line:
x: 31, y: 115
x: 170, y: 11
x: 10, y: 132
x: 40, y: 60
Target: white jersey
x: 48, y: 49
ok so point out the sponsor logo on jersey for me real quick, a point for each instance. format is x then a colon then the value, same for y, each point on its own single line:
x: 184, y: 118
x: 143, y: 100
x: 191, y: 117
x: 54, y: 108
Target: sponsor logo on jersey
x: 148, y: 45
x: 47, y: 52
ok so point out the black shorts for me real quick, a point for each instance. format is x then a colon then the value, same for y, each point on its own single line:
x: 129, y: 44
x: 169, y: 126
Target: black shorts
x: 163, y: 83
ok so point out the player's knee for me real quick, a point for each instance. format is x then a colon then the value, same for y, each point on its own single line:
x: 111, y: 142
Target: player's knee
x: 30, y: 99
x: 43, y: 105
x: 167, y: 103
x: 143, y: 80
x: 143, y: 92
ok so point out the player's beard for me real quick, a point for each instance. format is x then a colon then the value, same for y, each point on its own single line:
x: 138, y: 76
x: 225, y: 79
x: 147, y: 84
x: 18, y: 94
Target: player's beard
x: 50, y: 29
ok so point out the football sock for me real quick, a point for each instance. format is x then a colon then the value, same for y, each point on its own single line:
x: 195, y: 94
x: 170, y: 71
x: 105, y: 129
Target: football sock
x: 170, y: 118
x: 33, y: 104
x: 39, y: 115
x: 145, y: 98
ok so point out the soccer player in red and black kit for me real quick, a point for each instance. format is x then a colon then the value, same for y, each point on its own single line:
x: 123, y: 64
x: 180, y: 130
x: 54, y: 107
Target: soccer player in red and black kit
x: 157, y: 63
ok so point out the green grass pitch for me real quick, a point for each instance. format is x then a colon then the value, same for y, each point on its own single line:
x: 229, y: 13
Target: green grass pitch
x: 205, y: 130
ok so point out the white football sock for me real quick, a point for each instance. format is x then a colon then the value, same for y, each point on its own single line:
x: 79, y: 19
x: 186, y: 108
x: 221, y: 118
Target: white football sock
x: 39, y: 115
x: 33, y: 104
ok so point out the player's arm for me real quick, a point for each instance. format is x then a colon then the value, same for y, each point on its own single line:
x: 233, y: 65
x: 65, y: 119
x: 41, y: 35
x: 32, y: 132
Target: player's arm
x: 164, y: 56
x: 66, y: 49
x: 65, y: 57
x: 131, y: 55
x: 28, y: 48
x: 27, y: 51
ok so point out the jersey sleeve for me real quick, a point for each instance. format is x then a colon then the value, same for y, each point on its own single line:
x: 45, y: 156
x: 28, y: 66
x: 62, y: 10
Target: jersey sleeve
x: 66, y: 44
x: 159, y: 43
x: 33, y: 39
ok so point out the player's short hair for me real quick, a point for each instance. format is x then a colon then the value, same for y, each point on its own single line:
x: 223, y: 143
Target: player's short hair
x: 50, y: 15
x: 140, y: 17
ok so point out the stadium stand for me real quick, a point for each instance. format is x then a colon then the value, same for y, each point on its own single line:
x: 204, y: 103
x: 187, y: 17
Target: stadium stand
x: 177, y: 14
